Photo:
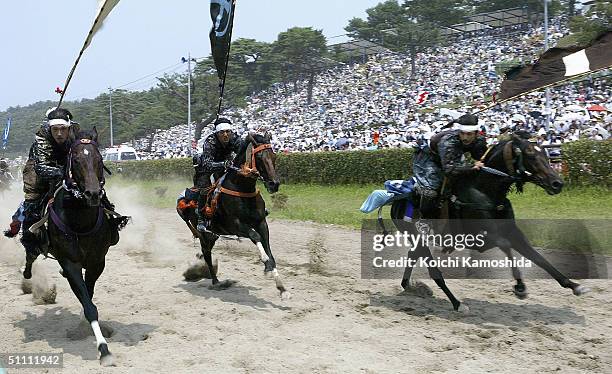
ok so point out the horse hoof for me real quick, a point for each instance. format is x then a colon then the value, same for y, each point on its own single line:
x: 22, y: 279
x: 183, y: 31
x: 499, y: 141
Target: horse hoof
x: 285, y: 295
x: 27, y: 272
x: 417, y: 288
x: 581, y: 290
x: 520, y: 293
x: 106, y: 358
x: 463, y: 309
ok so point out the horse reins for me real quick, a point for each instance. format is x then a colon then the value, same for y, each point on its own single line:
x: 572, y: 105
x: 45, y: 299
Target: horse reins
x: 250, y: 165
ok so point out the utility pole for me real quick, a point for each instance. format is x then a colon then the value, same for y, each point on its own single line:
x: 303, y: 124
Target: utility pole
x: 188, y: 61
x: 110, y: 113
x: 189, y: 98
x: 548, y: 112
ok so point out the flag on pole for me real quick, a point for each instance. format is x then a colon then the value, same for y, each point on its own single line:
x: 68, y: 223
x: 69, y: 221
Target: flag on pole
x: 558, y: 64
x: 5, y: 133
x: 222, y: 15
x: 104, y: 9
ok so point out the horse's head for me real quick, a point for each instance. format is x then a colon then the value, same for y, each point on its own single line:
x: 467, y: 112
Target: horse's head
x: 529, y: 163
x: 259, y: 155
x: 85, y: 170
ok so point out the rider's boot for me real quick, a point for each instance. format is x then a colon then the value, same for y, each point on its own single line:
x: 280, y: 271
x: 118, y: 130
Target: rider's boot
x: 202, y: 222
x: 30, y: 241
x: 429, y: 208
x: 116, y: 222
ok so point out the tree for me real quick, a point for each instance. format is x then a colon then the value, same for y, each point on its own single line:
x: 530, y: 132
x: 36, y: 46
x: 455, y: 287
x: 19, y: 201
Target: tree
x: 436, y: 12
x: 593, y: 23
x: 297, y: 51
x: 397, y: 28
x: 387, y: 15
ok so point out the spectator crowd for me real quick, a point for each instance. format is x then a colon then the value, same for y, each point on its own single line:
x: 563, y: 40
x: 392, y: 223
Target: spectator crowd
x: 382, y: 104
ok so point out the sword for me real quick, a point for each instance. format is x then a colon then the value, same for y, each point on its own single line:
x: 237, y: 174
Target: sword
x: 494, y: 171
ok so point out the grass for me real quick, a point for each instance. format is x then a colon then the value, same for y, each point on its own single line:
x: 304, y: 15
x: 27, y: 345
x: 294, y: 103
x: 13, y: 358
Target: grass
x: 340, y: 204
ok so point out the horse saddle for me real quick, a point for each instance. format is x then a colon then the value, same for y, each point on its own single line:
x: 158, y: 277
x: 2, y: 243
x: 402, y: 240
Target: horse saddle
x: 189, y: 199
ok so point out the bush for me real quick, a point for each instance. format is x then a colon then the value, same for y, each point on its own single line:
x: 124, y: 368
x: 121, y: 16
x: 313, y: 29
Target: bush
x: 345, y: 167
x: 153, y: 169
x: 588, y: 162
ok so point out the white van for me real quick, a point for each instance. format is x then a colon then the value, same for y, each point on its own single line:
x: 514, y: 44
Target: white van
x: 120, y: 154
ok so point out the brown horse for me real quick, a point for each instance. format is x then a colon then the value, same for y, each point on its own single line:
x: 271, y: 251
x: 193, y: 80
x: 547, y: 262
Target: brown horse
x: 240, y: 209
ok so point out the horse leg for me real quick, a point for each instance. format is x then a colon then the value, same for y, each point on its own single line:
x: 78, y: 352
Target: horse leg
x: 436, y: 275
x: 92, y: 273
x: 521, y: 245
x: 412, y: 257
x: 207, y: 242
x: 256, y: 239
x: 72, y: 272
x: 262, y: 239
x: 520, y: 290
x: 27, y: 270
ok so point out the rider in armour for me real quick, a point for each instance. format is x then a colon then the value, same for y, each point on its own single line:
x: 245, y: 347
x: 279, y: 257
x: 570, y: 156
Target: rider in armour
x: 443, y: 158
x: 215, y: 159
x: 43, y: 172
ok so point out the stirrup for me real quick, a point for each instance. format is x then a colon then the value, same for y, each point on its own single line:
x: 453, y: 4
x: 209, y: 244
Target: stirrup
x: 201, y: 225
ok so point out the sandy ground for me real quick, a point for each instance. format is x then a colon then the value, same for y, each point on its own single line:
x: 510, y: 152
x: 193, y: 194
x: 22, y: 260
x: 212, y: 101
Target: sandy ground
x: 335, y: 322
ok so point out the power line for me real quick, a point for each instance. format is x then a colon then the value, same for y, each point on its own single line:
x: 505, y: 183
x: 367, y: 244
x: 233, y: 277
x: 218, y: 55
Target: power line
x: 176, y: 66
x: 148, y: 75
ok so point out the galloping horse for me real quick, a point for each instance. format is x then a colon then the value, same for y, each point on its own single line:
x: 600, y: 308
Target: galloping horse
x: 240, y: 209
x: 484, y: 198
x: 80, y: 232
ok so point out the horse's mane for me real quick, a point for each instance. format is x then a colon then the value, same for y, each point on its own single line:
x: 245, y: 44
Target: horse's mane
x: 498, y: 148
x: 260, y: 139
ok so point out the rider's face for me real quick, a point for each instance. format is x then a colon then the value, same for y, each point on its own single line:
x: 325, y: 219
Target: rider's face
x: 467, y: 137
x: 224, y: 136
x: 60, y: 134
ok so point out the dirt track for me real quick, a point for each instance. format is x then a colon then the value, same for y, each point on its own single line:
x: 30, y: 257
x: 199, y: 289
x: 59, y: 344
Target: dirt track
x: 335, y: 322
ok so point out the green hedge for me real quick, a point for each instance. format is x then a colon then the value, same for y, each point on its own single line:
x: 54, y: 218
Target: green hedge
x: 345, y: 167
x: 586, y: 163
x: 153, y: 169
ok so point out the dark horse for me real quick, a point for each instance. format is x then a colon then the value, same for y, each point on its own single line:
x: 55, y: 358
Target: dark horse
x: 484, y: 198
x: 240, y: 208
x: 80, y: 232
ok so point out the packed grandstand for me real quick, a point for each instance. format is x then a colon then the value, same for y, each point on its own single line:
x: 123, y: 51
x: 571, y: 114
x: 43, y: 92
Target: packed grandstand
x: 377, y: 104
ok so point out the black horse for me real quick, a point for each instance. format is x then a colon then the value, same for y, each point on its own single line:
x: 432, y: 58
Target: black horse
x: 240, y: 209
x: 79, y: 230
x: 483, y: 200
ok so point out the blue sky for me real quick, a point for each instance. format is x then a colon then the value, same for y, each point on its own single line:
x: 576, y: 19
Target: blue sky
x: 41, y: 39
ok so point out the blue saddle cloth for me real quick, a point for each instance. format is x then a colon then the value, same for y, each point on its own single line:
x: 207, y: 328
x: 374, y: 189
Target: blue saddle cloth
x: 395, y: 190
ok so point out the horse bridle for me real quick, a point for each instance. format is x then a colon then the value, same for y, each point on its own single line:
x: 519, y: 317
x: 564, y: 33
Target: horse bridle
x: 513, y: 160
x: 250, y: 163
x: 69, y: 183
